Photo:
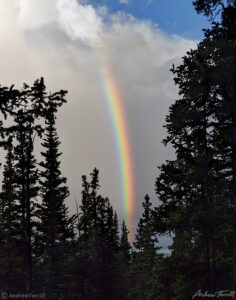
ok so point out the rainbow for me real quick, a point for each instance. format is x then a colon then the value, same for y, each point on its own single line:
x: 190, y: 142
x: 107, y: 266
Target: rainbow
x: 120, y: 132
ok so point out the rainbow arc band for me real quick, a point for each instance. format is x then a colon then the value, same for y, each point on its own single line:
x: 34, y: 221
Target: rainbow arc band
x: 114, y: 102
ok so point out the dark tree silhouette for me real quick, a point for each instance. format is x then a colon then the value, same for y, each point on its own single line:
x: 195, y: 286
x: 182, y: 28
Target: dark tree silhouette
x: 144, y: 257
x: 56, y: 228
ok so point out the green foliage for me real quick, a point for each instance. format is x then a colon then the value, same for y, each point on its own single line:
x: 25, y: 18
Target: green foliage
x: 11, y: 263
x: 98, y: 246
x: 25, y: 228
x: 56, y: 228
x: 125, y: 247
x: 125, y: 260
x: 212, y: 8
x: 196, y: 189
x: 145, y: 256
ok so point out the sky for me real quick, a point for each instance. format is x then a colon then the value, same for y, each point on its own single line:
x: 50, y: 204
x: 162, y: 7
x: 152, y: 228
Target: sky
x: 173, y: 17
x: 63, y: 41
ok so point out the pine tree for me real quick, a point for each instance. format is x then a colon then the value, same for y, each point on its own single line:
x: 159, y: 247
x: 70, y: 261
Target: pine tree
x: 125, y: 247
x: 164, y: 277
x: 56, y: 227
x: 125, y: 259
x: 10, y: 250
x: 10, y: 101
x: 26, y: 184
x: 25, y: 251
x: 145, y: 257
x: 97, y: 271
x: 194, y: 189
x: 223, y: 37
x: 24, y: 108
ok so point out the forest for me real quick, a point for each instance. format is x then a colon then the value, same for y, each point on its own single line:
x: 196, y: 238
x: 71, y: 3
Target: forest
x: 47, y: 253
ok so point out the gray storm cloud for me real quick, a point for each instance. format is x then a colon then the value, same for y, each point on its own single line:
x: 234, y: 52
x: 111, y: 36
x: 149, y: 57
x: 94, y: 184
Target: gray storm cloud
x: 58, y: 40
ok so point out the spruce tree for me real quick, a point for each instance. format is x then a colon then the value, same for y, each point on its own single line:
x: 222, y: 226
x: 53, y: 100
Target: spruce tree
x: 26, y: 185
x: 11, y: 263
x: 24, y: 108
x: 56, y: 227
x: 125, y: 259
x: 223, y: 37
x: 145, y: 256
x: 30, y: 238
x: 194, y: 189
x: 97, y: 259
x: 125, y: 247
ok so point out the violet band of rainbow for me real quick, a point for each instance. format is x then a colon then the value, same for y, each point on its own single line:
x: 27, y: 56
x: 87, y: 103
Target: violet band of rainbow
x: 120, y: 131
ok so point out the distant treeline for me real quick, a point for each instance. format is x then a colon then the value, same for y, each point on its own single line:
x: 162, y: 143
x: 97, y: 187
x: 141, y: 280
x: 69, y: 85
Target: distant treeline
x: 44, y: 250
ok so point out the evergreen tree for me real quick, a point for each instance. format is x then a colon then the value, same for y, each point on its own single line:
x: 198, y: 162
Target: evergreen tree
x: 223, y: 37
x: 97, y: 258
x: 125, y: 259
x: 125, y: 247
x: 164, y: 276
x: 26, y: 128
x: 195, y: 189
x: 56, y: 227
x: 24, y: 108
x: 192, y: 193
x: 145, y: 257
x: 10, y: 251
x: 10, y: 101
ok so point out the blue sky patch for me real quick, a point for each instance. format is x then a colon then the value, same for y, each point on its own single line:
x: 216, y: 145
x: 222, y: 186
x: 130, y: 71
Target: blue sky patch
x: 172, y: 16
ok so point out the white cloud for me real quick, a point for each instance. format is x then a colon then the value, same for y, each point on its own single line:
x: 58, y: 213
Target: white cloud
x: 79, y: 21
x: 34, y: 13
x: 50, y: 39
